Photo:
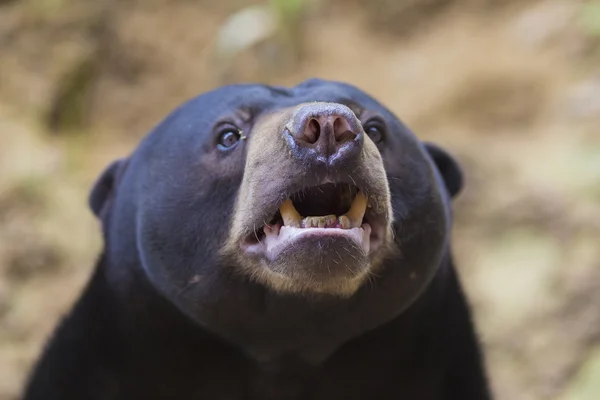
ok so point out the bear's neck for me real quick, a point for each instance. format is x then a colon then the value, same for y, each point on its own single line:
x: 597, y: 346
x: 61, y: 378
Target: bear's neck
x: 136, y: 342
x: 141, y: 328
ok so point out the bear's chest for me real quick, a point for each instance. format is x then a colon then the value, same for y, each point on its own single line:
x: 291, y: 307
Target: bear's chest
x: 233, y: 380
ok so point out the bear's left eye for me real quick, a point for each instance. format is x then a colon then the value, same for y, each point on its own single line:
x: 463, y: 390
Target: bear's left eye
x: 228, y: 138
x: 375, y: 130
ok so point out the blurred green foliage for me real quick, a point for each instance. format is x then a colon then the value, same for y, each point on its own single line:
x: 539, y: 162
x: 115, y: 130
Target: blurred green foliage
x: 287, y: 8
x: 590, y: 17
x: 69, y: 109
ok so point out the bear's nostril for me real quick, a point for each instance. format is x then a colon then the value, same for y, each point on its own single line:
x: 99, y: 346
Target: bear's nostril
x: 312, y: 131
x: 342, y: 132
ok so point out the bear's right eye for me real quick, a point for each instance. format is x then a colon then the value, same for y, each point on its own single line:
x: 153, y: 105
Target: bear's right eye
x: 228, y: 138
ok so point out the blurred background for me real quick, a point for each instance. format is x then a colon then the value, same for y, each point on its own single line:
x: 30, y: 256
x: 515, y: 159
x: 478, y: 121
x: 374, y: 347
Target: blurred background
x: 510, y: 87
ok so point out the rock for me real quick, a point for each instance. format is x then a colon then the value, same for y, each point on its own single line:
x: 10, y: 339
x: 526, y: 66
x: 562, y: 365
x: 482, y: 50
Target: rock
x: 583, y: 100
x: 244, y: 29
x: 544, y: 22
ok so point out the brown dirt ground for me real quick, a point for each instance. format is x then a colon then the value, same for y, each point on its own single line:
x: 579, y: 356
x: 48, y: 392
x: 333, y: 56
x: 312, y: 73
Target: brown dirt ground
x: 508, y: 89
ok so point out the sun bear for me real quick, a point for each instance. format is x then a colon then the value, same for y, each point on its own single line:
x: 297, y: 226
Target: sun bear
x: 265, y: 242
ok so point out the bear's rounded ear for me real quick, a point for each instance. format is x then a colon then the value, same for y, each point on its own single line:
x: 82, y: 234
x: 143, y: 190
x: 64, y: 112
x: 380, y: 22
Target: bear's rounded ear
x: 102, y: 189
x: 448, y: 167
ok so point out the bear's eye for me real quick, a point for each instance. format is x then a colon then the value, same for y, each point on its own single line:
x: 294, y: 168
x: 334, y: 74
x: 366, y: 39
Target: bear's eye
x: 375, y: 129
x: 228, y: 137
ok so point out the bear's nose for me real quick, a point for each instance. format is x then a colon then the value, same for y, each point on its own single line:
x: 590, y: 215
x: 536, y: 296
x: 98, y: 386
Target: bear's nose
x: 328, y: 132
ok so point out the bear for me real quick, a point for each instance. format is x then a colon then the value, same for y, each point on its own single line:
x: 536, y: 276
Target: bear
x: 270, y: 242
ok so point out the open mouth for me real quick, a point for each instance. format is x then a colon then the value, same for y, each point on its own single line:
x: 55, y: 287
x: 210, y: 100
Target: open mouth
x: 326, y: 211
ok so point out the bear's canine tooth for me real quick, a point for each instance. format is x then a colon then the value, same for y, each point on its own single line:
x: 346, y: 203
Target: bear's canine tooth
x: 289, y: 214
x: 344, y: 222
x: 357, y: 210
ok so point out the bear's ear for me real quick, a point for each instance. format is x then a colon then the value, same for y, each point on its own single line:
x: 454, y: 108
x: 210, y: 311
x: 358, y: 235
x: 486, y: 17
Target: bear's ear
x: 448, y: 167
x: 104, y: 186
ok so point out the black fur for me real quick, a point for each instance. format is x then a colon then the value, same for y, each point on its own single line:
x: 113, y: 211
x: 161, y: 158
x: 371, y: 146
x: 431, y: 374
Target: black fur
x: 448, y: 167
x: 165, y: 317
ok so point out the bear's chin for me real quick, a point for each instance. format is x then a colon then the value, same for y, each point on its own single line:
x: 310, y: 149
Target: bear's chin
x: 319, y: 264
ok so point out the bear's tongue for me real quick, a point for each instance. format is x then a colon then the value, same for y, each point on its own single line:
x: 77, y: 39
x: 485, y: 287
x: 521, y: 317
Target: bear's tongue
x: 353, y: 218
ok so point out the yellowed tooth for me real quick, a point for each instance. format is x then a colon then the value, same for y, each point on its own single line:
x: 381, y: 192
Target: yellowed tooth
x: 330, y: 219
x: 318, y: 222
x: 344, y: 222
x: 357, y: 210
x: 289, y: 214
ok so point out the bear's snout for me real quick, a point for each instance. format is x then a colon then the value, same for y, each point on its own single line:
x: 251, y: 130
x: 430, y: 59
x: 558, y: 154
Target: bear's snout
x: 327, y: 134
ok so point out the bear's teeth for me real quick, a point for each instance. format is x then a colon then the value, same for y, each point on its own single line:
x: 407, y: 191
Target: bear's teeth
x: 357, y: 211
x: 352, y: 219
x: 289, y: 214
x: 325, y: 221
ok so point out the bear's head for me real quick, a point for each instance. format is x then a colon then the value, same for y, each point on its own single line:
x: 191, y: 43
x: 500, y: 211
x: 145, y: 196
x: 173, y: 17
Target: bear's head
x: 280, y: 217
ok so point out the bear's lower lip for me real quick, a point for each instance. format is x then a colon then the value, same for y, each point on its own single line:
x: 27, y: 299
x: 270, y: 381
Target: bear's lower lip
x: 279, y: 238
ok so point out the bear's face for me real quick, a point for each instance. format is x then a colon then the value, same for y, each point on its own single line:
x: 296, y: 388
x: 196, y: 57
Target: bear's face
x: 317, y: 191
x: 313, y: 213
